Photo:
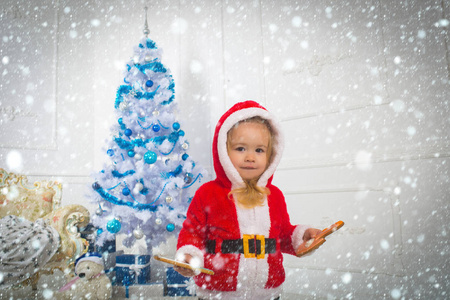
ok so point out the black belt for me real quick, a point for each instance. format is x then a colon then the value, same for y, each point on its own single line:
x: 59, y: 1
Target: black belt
x: 249, y: 245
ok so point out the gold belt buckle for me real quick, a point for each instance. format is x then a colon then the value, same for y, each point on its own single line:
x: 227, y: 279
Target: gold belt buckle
x: 246, y: 238
x: 263, y: 246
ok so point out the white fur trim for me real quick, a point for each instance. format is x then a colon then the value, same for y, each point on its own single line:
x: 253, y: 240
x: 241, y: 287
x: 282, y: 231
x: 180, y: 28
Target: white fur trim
x: 255, y: 220
x: 246, y: 113
x: 297, y: 235
x: 253, y: 272
x: 195, y: 252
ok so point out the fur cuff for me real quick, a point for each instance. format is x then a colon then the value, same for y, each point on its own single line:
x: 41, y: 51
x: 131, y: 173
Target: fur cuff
x: 196, y: 253
x: 297, y: 235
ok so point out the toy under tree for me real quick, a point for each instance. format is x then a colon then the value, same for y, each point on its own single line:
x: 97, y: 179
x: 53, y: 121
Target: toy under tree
x: 145, y: 189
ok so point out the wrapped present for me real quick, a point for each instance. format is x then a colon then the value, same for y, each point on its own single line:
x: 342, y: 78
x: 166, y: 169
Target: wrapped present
x: 132, y: 269
x: 176, y: 284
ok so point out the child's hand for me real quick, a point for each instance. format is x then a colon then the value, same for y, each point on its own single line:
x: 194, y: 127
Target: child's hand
x: 183, y: 271
x: 314, y: 238
x: 309, y: 242
x: 311, y: 233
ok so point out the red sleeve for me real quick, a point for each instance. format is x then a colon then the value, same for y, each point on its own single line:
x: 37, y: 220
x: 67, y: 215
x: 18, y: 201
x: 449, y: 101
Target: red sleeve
x: 286, y: 228
x: 289, y: 235
x: 193, y: 231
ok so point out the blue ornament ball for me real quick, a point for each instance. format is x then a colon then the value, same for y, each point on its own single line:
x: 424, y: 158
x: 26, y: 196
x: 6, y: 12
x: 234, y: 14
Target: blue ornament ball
x: 170, y: 227
x: 120, y: 120
x: 185, y: 156
x: 126, y: 191
x: 131, y: 153
x: 128, y: 132
x: 176, y: 126
x: 113, y: 226
x: 181, y: 133
x: 188, y: 178
x: 99, y: 231
x: 96, y: 185
x: 150, y: 157
x: 149, y: 83
x: 110, y: 152
x: 156, y: 128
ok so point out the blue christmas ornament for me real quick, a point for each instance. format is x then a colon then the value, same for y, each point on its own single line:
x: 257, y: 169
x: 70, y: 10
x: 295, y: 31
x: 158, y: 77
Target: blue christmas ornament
x: 99, y: 231
x: 110, y: 152
x: 188, y: 178
x: 185, y: 156
x: 176, y: 126
x: 120, y: 121
x: 96, y: 185
x: 150, y: 157
x: 149, y: 83
x: 170, y: 227
x: 126, y: 191
x: 113, y: 226
x: 131, y: 153
x: 156, y: 128
x: 181, y: 133
x: 128, y: 132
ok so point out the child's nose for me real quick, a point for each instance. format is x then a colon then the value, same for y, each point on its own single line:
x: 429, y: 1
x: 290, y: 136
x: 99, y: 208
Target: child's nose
x: 250, y: 157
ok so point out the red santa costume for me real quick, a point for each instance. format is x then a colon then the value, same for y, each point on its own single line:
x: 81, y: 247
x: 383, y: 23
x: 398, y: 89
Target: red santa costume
x: 242, y: 246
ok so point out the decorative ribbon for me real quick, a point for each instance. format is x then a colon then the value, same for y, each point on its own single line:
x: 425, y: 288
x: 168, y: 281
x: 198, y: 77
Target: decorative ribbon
x: 117, y: 174
x: 134, y: 267
x: 169, y: 151
x: 115, y: 200
x: 198, y: 176
x: 145, y: 128
x: 162, y: 125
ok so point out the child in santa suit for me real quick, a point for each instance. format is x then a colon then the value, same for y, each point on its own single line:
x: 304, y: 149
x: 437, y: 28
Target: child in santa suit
x: 237, y: 225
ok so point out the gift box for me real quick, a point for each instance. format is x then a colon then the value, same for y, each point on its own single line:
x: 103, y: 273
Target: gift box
x: 176, y: 284
x: 132, y: 269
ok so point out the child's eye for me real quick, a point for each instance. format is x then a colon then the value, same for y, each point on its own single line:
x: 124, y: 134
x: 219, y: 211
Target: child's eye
x: 240, y: 149
x: 260, y: 150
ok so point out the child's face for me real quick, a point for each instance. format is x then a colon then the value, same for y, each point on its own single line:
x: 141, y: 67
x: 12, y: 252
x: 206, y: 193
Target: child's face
x: 248, y: 149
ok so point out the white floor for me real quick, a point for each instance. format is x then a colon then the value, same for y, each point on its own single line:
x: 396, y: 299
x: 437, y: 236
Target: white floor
x: 27, y: 293
x: 49, y: 284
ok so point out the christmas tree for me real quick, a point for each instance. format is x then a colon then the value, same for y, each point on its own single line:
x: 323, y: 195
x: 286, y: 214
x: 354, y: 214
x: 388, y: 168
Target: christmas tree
x: 145, y: 189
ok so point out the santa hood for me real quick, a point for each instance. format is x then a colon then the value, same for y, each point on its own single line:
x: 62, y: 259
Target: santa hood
x: 226, y: 173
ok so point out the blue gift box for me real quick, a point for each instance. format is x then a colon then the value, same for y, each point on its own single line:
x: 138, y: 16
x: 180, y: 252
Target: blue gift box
x: 132, y: 269
x: 176, y: 283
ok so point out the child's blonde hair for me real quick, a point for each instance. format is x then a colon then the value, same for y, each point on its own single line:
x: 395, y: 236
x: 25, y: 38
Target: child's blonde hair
x: 252, y: 195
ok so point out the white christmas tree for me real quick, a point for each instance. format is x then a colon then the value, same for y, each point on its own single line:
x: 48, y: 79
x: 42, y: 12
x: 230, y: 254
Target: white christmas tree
x: 145, y: 189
